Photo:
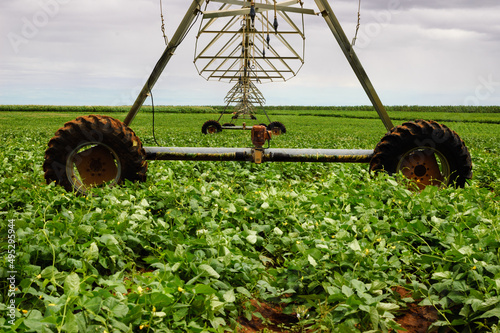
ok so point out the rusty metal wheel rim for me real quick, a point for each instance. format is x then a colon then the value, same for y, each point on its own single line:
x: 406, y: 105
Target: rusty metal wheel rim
x: 96, y: 160
x: 211, y: 129
x: 425, y: 166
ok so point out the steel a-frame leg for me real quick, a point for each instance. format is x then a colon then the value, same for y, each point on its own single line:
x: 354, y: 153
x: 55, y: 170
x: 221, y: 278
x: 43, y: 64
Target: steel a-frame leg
x: 340, y: 36
x: 177, y: 38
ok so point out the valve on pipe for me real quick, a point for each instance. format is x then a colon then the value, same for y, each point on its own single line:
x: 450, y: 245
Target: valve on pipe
x: 260, y: 135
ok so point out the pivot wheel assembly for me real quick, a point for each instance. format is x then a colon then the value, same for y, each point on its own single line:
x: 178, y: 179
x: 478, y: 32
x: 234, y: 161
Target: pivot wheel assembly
x: 239, y: 42
x: 277, y: 128
x: 425, y: 152
x: 94, y: 151
x: 211, y: 127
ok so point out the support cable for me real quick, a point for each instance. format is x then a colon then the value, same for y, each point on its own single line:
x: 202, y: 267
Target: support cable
x: 163, y: 24
x: 153, y: 111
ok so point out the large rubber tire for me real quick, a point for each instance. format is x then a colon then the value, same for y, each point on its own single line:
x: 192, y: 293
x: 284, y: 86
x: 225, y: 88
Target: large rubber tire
x: 409, y: 146
x: 94, y: 143
x: 211, y: 127
x: 276, y: 125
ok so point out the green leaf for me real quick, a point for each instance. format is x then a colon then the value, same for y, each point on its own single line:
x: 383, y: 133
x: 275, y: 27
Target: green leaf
x: 347, y: 291
x: 217, y: 322
x: 229, y: 296
x: 118, y: 325
x: 176, y: 266
x: 216, y: 305
x: 244, y: 291
x: 377, y: 285
x: 204, y: 289
x: 358, y: 285
x: 70, y: 323
x: 48, y: 272
x: 111, y: 243
x: 466, y: 250
x: 488, y: 303
x: 115, y: 307
x: 442, y: 275
x: 33, y: 320
x: 278, y: 232
x: 252, y: 238
x: 180, y: 314
x: 72, y: 285
x: 209, y: 270
x: 374, y: 317
x: 161, y: 299
x: 92, y: 253
x: 392, y: 182
x: 312, y: 261
x: 355, y: 245
x: 387, y: 306
x: 93, y: 304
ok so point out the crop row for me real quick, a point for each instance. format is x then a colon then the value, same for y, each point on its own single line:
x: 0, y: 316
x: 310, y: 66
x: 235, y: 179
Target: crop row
x: 194, y: 245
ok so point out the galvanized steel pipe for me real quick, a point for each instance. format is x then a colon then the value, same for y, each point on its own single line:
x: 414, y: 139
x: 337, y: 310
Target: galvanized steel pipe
x: 270, y: 154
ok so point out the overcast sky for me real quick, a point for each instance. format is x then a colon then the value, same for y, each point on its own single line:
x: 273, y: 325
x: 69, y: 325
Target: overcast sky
x: 100, y: 52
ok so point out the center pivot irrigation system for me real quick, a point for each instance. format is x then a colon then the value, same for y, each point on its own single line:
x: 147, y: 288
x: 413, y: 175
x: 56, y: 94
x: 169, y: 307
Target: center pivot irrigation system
x: 248, y: 42
x: 244, y: 45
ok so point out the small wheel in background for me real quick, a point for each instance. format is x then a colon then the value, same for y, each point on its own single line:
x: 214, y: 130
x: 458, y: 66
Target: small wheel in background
x: 425, y: 152
x: 277, y: 128
x: 94, y: 151
x: 211, y: 127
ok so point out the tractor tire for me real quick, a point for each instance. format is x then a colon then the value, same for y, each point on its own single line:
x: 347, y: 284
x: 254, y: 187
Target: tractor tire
x: 228, y: 125
x: 94, y: 151
x: 211, y: 127
x: 426, y: 152
x: 277, y: 128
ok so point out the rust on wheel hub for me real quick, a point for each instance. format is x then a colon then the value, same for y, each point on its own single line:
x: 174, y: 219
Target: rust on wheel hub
x: 97, y: 166
x: 422, y: 167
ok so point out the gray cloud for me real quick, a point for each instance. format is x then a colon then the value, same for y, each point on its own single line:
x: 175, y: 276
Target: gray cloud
x: 101, y: 52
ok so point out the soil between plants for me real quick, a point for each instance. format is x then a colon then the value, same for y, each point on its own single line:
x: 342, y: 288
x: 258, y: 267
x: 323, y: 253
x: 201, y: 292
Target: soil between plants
x: 413, y: 319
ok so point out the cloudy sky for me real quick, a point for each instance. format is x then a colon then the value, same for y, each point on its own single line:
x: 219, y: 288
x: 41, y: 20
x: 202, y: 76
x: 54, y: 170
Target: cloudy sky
x: 100, y: 52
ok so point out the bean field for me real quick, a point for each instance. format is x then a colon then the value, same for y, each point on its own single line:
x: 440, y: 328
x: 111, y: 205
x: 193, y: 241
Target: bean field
x: 200, y: 246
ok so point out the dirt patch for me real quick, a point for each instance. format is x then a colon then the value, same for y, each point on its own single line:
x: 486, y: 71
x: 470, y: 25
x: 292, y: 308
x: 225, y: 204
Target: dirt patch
x: 414, y: 318
x: 274, y: 319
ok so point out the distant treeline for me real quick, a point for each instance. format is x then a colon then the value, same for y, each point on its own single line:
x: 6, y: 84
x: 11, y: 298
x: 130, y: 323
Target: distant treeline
x: 219, y: 108
x: 106, y: 109
x: 404, y: 108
